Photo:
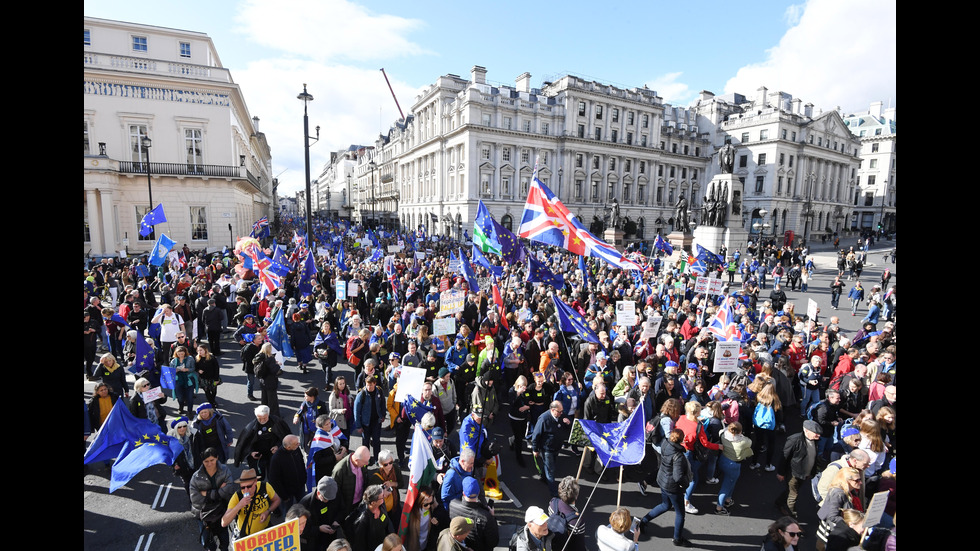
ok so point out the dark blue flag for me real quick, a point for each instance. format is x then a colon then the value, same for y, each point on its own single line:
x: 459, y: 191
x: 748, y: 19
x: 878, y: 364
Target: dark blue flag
x: 134, y: 443
x: 332, y: 342
x: 151, y: 219
x: 307, y: 275
x: 415, y: 409
x: 511, y: 248
x: 340, y: 260
x: 585, y: 272
x: 618, y: 444
x: 482, y: 260
x: 144, y: 356
x: 708, y: 256
x: 537, y: 271
x: 278, y: 336
x: 468, y: 273
x: 570, y: 320
x: 160, y: 250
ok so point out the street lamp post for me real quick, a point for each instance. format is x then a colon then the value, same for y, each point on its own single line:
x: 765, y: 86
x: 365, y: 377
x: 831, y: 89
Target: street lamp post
x: 147, y: 142
x: 306, y: 98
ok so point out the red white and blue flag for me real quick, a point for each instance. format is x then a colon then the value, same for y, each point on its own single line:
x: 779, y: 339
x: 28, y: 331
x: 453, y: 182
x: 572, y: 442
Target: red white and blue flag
x: 547, y: 220
x: 421, y: 472
x: 723, y: 325
x: 261, y: 227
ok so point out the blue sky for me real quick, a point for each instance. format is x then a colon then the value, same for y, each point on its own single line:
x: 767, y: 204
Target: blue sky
x: 827, y: 52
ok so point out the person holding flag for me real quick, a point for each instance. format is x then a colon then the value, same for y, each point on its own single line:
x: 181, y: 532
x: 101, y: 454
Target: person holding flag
x: 673, y: 477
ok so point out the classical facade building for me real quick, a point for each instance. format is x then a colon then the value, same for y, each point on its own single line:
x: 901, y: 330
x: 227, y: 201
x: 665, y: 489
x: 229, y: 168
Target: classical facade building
x: 874, y: 198
x: 798, y: 168
x: 164, y: 119
x: 334, y: 185
x: 466, y: 140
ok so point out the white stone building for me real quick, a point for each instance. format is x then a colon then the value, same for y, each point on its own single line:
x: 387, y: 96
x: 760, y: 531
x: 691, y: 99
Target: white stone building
x: 797, y: 166
x: 209, y: 164
x: 874, y: 198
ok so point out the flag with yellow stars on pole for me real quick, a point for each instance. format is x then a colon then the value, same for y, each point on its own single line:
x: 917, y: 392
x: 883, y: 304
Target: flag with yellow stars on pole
x: 134, y: 443
x: 618, y: 444
x: 144, y: 356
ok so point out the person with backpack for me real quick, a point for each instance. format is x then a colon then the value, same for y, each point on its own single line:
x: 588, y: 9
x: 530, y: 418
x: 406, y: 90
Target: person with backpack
x: 250, y: 508
x: 697, y: 445
x: 211, y: 486
x: 809, y: 376
x: 766, y: 416
x: 735, y: 448
x: 657, y: 430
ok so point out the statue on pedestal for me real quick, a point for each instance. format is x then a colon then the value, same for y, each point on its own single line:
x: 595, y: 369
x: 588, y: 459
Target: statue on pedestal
x: 726, y: 158
x: 614, y: 215
x: 680, y: 215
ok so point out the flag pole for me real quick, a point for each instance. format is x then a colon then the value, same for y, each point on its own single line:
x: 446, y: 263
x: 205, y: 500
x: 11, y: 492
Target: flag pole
x: 619, y: 488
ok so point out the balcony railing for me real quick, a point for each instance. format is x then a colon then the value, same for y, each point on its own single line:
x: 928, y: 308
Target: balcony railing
x: 180, y: 169
x: 153, y: 66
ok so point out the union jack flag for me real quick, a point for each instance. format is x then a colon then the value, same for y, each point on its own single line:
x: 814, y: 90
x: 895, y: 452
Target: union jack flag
x: 723, y: 325
x: 392, y: 277
x: 261, y: 227
x: 547, y: 220
x: 262, y: 266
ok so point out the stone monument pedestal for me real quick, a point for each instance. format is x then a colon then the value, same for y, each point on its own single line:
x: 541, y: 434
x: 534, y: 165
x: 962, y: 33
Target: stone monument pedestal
x: 730, y: 233
x: 614, y: 237
x: 680, y: 241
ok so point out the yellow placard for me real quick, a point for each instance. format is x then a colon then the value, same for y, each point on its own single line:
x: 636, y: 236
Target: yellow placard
x: 281, y: 537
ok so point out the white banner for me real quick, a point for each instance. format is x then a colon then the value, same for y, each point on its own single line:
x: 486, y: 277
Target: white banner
x: 451, y: 302
x: 410, y: 382
x: 726, y: 356
x: 652, y: 326
x: 443, y: 326
x: 626, y: 313
x: 352, y: 288
x: 811, y: 309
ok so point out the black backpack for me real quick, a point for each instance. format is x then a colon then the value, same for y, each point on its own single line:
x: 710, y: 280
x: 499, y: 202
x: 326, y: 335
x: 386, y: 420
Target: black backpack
x: 656, y: 436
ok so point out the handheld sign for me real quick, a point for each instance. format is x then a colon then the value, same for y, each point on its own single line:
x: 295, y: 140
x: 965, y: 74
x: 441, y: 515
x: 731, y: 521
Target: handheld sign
x: 726, y: 356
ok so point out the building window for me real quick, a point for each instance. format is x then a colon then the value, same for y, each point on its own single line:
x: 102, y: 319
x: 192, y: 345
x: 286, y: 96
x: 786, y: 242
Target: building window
x: 643, y: 140
x: 525, y: 156
x: 687, y: 150
x: 660, y: 195
x: 871, y: 181
x: 646, y: 121
x: 874, y: 148
x: 782, y: 159
x: 544, y: 158
x: 628, y: 166
x: 819, y: 141
x: 581, y: 131
x: 763, y: 135
x: 139, y: 43
x: 185, y: 49
x: 641, y: 193
x: 626, y: 193
x: 643, y: 167
x: 88, y: 42
x: 697, y: 151
x: 505, y: 184
x: 784, y: 134
x: 578, y: 160
x: 869, y: 199
x: 694, y: 174
x: 877, y: 132
x: 629, y: 138
x: 743, y: 161
x: 672, y: 170
x: 615, y: 115
x: 578, y: 189
x: 87, y: 144
x: 611, y: 192
x: 789, y: 187
x: 598, y: 112
x: 507, y: 221
x: 140, y: 213
x: 525, y: 185
x: 629, y: 117
x: 505, y: 153
x: 745, y: 137
x: 194, y: 143
x: 760, y: 183
x: 762, y: 159
x: 683, y: 173
x: 486, y: 153
x: 581, y: 108
x: 88, y: 233
x: 779, y: 186
x: 486, y: 119
x: 595, y: 190
x: 199, y: 223
x: 874, y: 163
x: 660, y: 170
x: 598, y: 133
x: 791, y: 163
x: 485, y: 185
x: 507, y: 123
x: 544, y: 128
x: 794, y: 136
x: 136, y: 133
x: 595, y: 162
x: 612, y: 164
x: 613, y: 136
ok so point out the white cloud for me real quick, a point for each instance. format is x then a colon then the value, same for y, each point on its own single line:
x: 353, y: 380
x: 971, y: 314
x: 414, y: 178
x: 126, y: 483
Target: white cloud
x: 351, y: 105
x: 838, y: 54
x: 672, y: 92
x: 327, y: 30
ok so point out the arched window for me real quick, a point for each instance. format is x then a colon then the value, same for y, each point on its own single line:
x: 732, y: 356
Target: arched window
x: 508, y: 222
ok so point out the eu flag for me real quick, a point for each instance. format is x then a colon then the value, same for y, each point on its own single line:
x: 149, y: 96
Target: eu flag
x: 511, y: 248
x: 618, y: 444
x: 160, y: 250
x: 151, y: 219
x: 482, y: 260
x: 663, y: 245
x: 415, y: 409
x: 708, y: 256
x: 340, y: 260
x: 307, y: 275
x: 585, y: 272
x: 570, y: 320
x: 144, y: 356
x: 134, y: 443
x: 468, y: 273
x: 278, y: 335
x: 538, y: 271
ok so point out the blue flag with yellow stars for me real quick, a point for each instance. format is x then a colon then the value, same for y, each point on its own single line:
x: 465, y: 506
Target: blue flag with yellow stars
x: 511, y: 248
x: 278, y: 336
x: 467, y: 270
x: 134, y: 443
x: 144, y: 356
x: 152, y: 218
x: 538, y: 271
x: 415, y: 409
x: 618, y: 444
x: 571, y: 320
x: 482, y: 260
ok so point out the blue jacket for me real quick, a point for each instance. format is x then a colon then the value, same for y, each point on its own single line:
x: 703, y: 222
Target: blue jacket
x: 873, y: 314
x: 471, y: 435
x: 362, y: 408
x: 856, y: 294
x: 547, y: 433
x: 455, y: 357
x: 452, y: 484
x: 565, y: 397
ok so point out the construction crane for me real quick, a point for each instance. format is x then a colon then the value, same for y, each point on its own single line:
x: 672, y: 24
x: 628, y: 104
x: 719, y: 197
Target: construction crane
x: 393, y: 94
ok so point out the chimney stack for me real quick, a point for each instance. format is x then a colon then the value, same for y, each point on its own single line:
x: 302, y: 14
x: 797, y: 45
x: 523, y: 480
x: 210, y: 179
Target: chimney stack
x: 523, y: 82
x: 478, y: 74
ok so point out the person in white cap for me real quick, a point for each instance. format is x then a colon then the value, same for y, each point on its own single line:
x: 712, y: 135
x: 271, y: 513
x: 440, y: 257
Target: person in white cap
x: 534, y: 534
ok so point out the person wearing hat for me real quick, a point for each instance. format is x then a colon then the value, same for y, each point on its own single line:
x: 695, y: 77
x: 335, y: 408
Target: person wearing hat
x: 92, y: 328
x: 534, y: 534
x: 453, y: 539
x: 185, y: 463
x: 211, y: 488
x: 484, y: 534
x: 599, y: 369
x: 323, y: 526
x: 210, y: 429
x: 465, y: 381
x: 443, y: 450
x: 445, y: 389
x: 248, y: 326
x: 795, y: 464
x: 250, y: 508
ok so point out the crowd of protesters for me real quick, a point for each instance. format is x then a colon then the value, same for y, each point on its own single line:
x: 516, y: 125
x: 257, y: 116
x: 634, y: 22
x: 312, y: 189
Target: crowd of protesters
x: 511, y: 366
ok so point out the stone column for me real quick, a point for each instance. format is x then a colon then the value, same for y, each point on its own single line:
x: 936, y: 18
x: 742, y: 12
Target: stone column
x: 108, y: 226
x: 94, y: 221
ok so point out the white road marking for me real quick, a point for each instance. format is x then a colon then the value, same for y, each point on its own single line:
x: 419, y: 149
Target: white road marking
x: 511, y: 496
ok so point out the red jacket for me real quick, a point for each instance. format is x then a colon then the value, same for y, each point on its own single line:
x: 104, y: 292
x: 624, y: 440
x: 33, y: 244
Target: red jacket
x: 844, y: 366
